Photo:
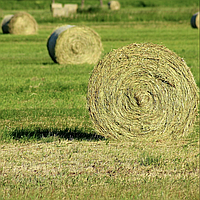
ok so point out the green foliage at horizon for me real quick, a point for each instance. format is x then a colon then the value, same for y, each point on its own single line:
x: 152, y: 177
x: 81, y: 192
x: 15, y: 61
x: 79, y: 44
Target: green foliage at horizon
x: 48, y: 147
x: 45, y: 4
x: 150, y: 14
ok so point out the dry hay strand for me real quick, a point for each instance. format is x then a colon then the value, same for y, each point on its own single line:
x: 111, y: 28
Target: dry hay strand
x: 21, y: 23
x: 195, y: 20
x: 142, y: 89
x: 74, y: 45
x: 114, y: 5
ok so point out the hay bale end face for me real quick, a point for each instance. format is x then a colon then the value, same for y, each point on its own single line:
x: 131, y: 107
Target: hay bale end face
x: 195, y: 23
x: 21, y: 23
x: 74, y: 45
x: 114, y: 5
x: 142, y: 89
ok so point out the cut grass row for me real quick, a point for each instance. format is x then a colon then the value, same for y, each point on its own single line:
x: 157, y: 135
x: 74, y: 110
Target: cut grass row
x: 146, y: 168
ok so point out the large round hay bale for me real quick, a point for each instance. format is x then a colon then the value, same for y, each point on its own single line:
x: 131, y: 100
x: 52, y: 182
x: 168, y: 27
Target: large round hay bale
x: 195, y: 20
x: 20, y: 23
x: 74, y: 45
x: 142, y: 89
x: 114, y: 5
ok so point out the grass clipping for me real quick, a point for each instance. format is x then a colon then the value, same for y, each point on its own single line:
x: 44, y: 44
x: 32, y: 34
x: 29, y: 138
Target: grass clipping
x: 142, y: 89
x: 74, y: 45
x: 21, y: 23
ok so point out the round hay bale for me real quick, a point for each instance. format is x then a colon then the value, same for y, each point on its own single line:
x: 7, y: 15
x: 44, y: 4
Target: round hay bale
x: 114, y: 5
x: 195, y: 20
x: 21, y: 23
x: 56, y: 5
x: 142, y: 89
x: 71, y: 8
x: 74, y: 45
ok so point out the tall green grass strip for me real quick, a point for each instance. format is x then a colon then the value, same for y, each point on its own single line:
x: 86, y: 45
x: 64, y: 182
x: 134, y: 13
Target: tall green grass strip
x: 21, y: 23
x: 74, y: 45
x: 195, y: 20
x: 142, y: 89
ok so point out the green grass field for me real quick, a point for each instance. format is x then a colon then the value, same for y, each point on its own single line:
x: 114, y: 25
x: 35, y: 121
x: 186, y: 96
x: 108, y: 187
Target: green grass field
x: 48, y: 147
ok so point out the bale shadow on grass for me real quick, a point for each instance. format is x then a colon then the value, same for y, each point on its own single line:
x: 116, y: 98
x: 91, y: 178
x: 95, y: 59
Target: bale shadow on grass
x: 68, y: 133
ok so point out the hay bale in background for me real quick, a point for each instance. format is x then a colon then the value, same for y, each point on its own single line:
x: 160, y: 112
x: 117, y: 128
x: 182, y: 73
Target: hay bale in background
x: 74, y: 45
x: 21, y: 23
x: 142, y: 89
x: 68, y: 9
x: 58, y: 12
x: 56, y: 5
x: 114, y: 5
x: 71, y: 8
x: 195, y: 20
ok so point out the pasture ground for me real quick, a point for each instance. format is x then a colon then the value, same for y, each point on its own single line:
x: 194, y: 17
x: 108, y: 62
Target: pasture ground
x: 48, y: 148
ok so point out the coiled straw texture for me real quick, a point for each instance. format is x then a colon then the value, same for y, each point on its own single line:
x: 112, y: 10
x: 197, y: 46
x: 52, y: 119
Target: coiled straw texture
x: 74, y: 45
x: 142, y: 89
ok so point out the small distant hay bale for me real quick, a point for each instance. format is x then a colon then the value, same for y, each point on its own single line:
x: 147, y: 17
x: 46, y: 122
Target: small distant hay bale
x: 195, y: 20
x: 74, y: 45
x: 55, y: 5
x: 58, y: 12
x: 66, y: 11
x: 57, y: 9
x: 142, y: 89
x: 21, y: 23
x: 71, y: 8
x: 114, y: 5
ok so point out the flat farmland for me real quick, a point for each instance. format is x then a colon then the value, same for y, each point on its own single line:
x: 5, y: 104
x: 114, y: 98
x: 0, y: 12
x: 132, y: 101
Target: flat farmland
x: 48, y: 146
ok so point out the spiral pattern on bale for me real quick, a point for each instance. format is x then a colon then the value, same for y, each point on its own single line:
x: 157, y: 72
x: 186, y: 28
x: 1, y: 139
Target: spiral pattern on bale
x: 21, y: 23
x: 74, y: 45
x: 142, y: 89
